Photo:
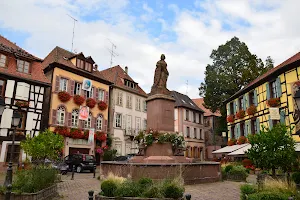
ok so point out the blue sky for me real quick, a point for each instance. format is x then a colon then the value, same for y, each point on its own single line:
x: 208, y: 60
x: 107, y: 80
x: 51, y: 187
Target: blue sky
x: 185, y: 30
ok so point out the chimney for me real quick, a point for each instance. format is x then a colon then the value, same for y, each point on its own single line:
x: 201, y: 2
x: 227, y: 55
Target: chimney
x: 126, y: 70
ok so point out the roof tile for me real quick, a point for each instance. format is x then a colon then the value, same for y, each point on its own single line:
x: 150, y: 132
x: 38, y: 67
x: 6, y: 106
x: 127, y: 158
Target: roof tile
x: 207, y: 112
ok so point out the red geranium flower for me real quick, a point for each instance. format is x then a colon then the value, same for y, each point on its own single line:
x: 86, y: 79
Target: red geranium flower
x: 90, y: 102
x: 102, y: 105
x: 64, y: 96
x: 230, y: 118
x: 78, y: 99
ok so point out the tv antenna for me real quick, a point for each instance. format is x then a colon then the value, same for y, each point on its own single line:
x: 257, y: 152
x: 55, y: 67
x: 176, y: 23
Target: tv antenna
x: 187, y: 86
x: 112, y: 51
x: 74, y: 20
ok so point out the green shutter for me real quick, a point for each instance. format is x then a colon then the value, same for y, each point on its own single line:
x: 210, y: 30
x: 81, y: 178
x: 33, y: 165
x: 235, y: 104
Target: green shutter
x: 270, y: 122
x: 234, y: 107
x: 244, y: 102
x: 238, y: 130
x: 255, y: 98
x: 246, y: 129
x: 235, y: 131
x: 247, y: 100
x: 278, y: 85
x: 258, y: 125
x: 282, y: 116
x: 268, y: 90
x: 249, y: 127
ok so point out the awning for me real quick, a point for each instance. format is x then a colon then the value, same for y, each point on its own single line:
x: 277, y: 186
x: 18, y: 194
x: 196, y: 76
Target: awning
x: 240, y: 151
x: 229, y: 149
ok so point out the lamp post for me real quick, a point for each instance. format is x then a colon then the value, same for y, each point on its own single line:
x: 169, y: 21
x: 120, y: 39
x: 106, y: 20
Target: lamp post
x: 15, y: 122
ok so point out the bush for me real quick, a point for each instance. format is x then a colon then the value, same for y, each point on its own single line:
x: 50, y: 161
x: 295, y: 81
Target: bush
x: 296, y: 177
x: 153, y: 192
x: 247, y: 189
x: 109, y: 155
x: 128, y: 189
x: 109, y: 188
x: 228, y: 168
x: 172, y: 190
x: 238, y: 172
x: 247, y: 162
x: 145, y: 182
x: 268, y: 195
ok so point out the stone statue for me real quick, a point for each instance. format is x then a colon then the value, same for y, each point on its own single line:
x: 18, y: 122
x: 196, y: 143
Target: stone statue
x: 160, y: 77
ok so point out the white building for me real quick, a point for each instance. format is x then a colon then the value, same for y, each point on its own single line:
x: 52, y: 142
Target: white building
x: 22, y: 87
x: 127, y: 110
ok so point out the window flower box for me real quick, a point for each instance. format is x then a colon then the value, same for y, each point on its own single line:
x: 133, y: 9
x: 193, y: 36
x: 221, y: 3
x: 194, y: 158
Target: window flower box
x: 242, y: 140
x: 64, y: 96
x: 231, y: 142
x: 62, y: 130
x: 251, y: 110
x: 240, y: 114
x: 101, y: 136
x: 76, y: 133
x: 102, y: 105
x: 22, y: 104
x: 91, y: 103
x: 78, y: 100
x: 273, y: 102
x: 230, y: 118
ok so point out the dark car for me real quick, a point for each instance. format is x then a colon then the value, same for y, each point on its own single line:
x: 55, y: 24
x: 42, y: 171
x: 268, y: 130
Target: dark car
x: 81, y: 162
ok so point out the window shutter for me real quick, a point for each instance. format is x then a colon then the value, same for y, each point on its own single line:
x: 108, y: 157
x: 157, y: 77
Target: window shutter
x: 255, y: 98
x: 282, y: 117
x: 105, y: 125
x: 6, y: 118
x: 123, y: 122
x: 235, y: 131
x: 66, y: 118
x: 96, y: 94
x: 69, y: 119
x: 257, y: 125
x: 191, y: 116
x: 229, y: 133
x: 249, y: 127
x: 184, y: 131
x: 54, y: 116
x: 247, y: 100
x: 93, y: 124
x: 246, y: 129
x: 234, y: 107
x: 184, y: 114
x: 278, y: 85
x: 72, y: 85
x: 106, y: 97
x: 57, y: 84
x: 268, y: 90
x: 244, y: 102
x: 270, y: 123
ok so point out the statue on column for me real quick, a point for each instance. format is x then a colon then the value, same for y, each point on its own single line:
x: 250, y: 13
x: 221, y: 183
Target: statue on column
x: 160, y: 77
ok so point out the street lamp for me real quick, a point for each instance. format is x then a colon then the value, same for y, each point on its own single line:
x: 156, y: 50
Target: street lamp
x: 15, y: 123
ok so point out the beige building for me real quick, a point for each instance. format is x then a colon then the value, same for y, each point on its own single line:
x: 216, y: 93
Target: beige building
x: 189, y: 120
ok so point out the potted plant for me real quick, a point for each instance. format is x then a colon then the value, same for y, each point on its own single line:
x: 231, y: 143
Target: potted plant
x: 230, y: 118
x: 240, y: 114
x: 22, y: 104
x: 273, y: 102
x: 251, y: 110
x: 78, y: 100
x: 90, y: 102
x: 231, y: 142
x: 64, y: 96
x: 242, y: 140
x: 102, y: 105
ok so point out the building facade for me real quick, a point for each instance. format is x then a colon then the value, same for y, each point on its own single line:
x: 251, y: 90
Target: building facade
x: 128, y: 112
x: 77, y: 89
x: 22, y: 88
x: 270, y: 99
x: 213, y: 141
x: 189, y: 120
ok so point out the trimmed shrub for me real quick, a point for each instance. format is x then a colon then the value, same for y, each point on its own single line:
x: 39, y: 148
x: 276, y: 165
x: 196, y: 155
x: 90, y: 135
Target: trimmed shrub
x: 128, y: 189
x: 153, y: 192
x: 228, y: 168
x: 237, y: 173
x: 109, y: 155
x: 109, y: 188
x: 268, y: 195
x: 172, y: 190
x: 247, y: 189
x: 296, y: 177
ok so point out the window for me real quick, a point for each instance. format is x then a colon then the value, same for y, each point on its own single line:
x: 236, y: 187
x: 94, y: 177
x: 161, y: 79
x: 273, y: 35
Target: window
x: 201, y: 136
x: 118, y: 122
x: 21, y: 125
x: 61, y: 115
x: 187, y: 115
x: 129, y: 101
x: 129, y: 124
x: 129, y: 84
x: 77, y: 88
x: 195, y: 133
x: 63, y: 84
x: 80, y: 64
x: 2, y: 60
x: 253, y: 126
x: 88, y: 66
x: 138, y: 124
x: 16, y: 153
x: 241, y: 103
x: 232, y: 132
x: 187, y: 131
x: 99, y: 122
x: 101, y: 95
x: 251, y: 98
x: 89, y: 94
x: 75, y: 114
x: 138, y: 104
x: 145, y: 105
x: 201, y: 118
x: 23, y: 66
x: 88, y: 122
x: 194, y: 117
x: 145, y: 124
x: 2, y: 87
x: 231, y: 108
x: 242, y: 128
x: 273, y: 92
x: 120, y: 99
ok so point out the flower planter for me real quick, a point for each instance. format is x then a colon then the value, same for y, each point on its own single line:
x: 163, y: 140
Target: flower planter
x: 22, y: 104
x: 78, y: 100
x: 251, y: 110
x: 242, y: 140
x: 45, y: 194
x: 102, y: 105
x: 240, y: 114
x: 273, y: 102
x: 230, y: 118
x: 98, y: 197
x: 231, y: 142
x: 91, y: 103
x: 64, y: 96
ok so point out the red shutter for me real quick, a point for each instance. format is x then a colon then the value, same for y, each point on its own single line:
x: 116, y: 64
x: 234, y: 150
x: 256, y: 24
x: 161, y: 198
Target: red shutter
x: 66, y: 118
x: 105, y: 126
x: 84, y: 94
x: 72, y: 86
x: 106, y: 97
x: 54, y: 116
x: 57, y: 84
x: 96, y: 92
x: 93, y: 124
x: 79, y: 123
x: 69, y: 119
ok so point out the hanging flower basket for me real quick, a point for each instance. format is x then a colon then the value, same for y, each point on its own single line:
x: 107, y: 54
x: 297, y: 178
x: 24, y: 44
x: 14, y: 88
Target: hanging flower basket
x: 22, y: 104
x: 102, y: 105
x: 251, y: 110
x: 64, y: 96
x: 230, y: 118
x: 242, y: 140
x: 78, y: 100
x: 101, y: 136
x: 62, y: 130
x: 240, y: 114
x: 76, y: 133
x: 231, y: 142
x: 273, y: 102
x: 90, y: 102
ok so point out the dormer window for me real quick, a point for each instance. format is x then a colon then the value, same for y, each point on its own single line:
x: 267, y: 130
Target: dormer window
x: 3, y: 59
x: 23, y: 66
x: 88, y: 66
x: 80, y: 63
x: 130, y: 84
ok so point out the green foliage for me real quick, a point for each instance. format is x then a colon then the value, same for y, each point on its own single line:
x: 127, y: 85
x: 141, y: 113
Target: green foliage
x: 45, y: 145
x: 162, y: 138
x: 233, y: 66
x: 273, y: 148
x: 149, y: 139
x: 239, y: 171
x: 173, y: 190
x: 269, y: 195
x: 247, y: 189
x: 108, y: 140
x: 35, y: 179
x: 296, y: 177
x: 228, y: 168
x: 109, y: 155
x: 109, y: 188
x: 145, y: 182
x: 140, y: 137
x: 153, y: 192
x: 128, y: 189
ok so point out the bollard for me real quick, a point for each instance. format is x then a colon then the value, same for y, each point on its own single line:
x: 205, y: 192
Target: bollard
x: 91, y: 194
x: 94, y: 172
x: 188, y: 197
x: 73, y: 171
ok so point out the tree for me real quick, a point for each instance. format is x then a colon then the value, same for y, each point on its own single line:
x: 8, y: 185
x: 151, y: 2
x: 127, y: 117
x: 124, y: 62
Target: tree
x: 233, y: 67
x: 45, y: 145
x: 273, y: 148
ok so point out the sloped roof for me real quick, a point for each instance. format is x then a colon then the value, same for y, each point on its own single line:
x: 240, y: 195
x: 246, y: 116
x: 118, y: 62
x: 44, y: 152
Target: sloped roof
x: 14, y: 52
x: 117, y: 75
x: 207, y: 112
x: 182, y: 100
x: 266, y: 75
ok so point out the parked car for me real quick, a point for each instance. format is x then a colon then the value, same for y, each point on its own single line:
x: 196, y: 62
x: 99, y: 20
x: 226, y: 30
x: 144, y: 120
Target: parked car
x: 62, y: 167
x: 124, y: 158
x: 81, y: 162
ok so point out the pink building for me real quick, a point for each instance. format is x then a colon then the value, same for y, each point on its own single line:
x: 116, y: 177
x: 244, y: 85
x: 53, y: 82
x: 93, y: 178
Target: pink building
x: 189, y: 120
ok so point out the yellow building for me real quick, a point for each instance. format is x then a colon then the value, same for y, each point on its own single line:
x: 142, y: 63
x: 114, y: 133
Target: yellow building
x: 274, y: 92
x: 76, y: 85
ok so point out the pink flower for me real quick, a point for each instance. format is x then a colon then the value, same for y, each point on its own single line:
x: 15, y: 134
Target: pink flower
x: 99, y: 150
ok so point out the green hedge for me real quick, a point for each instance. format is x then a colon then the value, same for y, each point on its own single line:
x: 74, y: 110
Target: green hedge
x: 268, y: 195
x: 246, y: 190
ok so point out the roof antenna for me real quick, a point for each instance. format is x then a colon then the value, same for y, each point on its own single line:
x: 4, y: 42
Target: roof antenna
x: 187, y: 87
x: 112, y: 52
x: 75, y: 20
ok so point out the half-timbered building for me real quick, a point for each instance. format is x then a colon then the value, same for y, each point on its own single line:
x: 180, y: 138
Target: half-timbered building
x: 22, y: 87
